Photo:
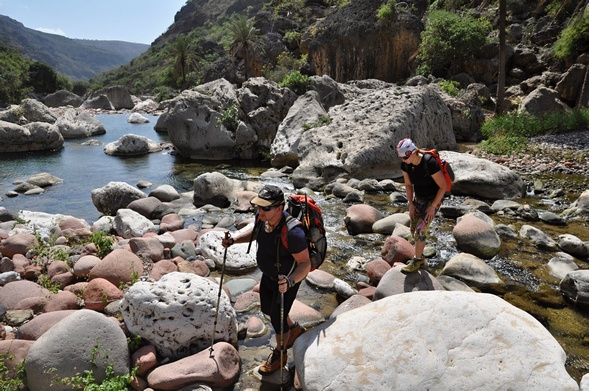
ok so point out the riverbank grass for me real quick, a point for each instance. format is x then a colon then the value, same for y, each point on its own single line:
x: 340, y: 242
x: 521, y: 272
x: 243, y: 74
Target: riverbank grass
x: 510, y: 132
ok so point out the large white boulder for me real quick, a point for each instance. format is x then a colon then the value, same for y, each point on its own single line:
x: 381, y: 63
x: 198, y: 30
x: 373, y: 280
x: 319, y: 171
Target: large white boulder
x: 432, y: 340
x: 177, y: 314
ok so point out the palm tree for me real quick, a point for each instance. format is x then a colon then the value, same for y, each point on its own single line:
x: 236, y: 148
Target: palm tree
x: 184, y: 57
x: 246, y: 40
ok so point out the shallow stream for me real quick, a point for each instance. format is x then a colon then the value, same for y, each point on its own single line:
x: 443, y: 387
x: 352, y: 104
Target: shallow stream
x: 528, y: 285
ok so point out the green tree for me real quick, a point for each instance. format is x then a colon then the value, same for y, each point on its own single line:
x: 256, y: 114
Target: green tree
x: 574, y: 38
x: 13, y: 76
x: 448, y: 40
x: 185, y: 58
x: 246, y: 41
x: 42, y: 78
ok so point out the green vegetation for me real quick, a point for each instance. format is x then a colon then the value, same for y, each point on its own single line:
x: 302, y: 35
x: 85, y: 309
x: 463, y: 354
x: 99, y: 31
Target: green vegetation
x: 103, y: 243
x: 321, y: 121
x: 229, y: 118
x: 13, y: 76
x: 509, y: 133
x: 296, y: 82
x: 449, y: 87
x: 285, y: 64
x: 448, y: 40
x: 8, y: 382
x: 185, y: 59
x: 246, y: 41
x: 574, y: 39
x: 87, y: 381
x: 386, y: 12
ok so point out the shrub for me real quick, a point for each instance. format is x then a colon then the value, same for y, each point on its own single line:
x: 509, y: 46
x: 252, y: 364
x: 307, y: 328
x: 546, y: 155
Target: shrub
x: 229, y: 118
x: 573, y: 39
x: 509, y: 133
x: 448, y: 40
x: 296, y: 81
x: 386, y: 12
x: 449, y: 87
x: 103, y: 243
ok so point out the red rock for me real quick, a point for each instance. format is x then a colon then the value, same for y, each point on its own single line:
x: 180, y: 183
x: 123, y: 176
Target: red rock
x: 171, y: 222
x: 15, y: 291
x: 218, y: 371
x: 147, y: 248
x: 145, y: 359
x: 162, y: 268
x: 99, y: 293
x: 376, y: 269
x: 118, y: 267
x: 18, y: 244
x: 397, y: 249
x: 36, y: 327
x: 63, y: 300
x: 16, y: 351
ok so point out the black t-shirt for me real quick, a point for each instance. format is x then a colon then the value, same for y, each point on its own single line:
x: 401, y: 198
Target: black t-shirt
x: 270, y: 242
x: 424, y: 186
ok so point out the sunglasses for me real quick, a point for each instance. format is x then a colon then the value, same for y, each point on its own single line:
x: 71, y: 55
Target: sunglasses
x: 407, y: 155
x: 264, y: 208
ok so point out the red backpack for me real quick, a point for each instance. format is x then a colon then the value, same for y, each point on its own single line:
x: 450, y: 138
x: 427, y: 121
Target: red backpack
x: 304, y: 211
x: 444, y: 167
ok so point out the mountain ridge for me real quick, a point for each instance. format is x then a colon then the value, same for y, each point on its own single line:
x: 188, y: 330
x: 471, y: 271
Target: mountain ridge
x: 79, y: 59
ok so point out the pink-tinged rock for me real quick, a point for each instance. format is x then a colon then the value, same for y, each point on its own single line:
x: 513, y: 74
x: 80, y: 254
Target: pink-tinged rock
x: 14, y: 352
x: 99, y: 293
x: 118, y: 267
x: 397, y: 249
x: 64, y: 279
x: 32, y: 272
x: 184, y: 234
x: 36, y: 304
x: 145, y: 359
x: 77, y: 289
x: 255, y: 327
x: 90, y: 249
x: 18, y: 244
x: 20, y: 262
x: 138, y: 384
x: 376, y: 269
x: 62, y: 300
x: 321, y: 279
x: 15, y: 291
x: 171, y: 222
x: 219, y: 371
x: 360, y: 218
x: 394, y: 282
x: 40, y: 324
x: 75, y: 229
x: 197, y: 267
x: 307, y: 316
x: 84, y: 264
x: 351, y: 303
x: 247, y: 301
x: 147, y: 248
x: 161, y: 268
x: 367, y: 292
x: 243, y: 199
x: 56, y: 267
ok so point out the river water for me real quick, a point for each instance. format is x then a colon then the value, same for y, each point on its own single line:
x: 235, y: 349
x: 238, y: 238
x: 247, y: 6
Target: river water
x: 528, y: 285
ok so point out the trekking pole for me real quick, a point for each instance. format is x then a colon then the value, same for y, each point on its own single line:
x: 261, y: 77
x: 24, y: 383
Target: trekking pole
x: 227, y: 236
x: 281, y: 331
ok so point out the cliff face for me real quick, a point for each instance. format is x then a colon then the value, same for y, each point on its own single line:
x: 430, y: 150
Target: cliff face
x: 352, y: 44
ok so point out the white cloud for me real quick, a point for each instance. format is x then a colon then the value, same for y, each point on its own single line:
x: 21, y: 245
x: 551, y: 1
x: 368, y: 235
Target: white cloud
x: 56, y: 31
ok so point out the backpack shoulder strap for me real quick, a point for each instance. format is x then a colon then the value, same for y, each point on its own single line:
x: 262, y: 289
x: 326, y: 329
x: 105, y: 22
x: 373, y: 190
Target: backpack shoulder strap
x: 255, y: 231
x: 288, y: 225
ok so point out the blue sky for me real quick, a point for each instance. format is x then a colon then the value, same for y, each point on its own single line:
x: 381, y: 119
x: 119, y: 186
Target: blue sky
x: 140, y: 21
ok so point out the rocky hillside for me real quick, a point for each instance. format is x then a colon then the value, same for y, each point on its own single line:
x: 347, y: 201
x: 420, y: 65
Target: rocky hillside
x: 79, y: 59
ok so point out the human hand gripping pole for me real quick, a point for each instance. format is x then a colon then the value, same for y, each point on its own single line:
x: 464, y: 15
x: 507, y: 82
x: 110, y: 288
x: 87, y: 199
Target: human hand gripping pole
x: 227, y: 237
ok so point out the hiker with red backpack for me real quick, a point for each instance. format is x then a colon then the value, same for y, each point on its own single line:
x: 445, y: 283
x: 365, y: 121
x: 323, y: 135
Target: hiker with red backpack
x: 426, y: 185
x: 283, y: 268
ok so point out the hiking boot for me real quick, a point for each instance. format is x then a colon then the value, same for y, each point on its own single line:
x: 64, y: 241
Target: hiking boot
x: 414, y: 265
x: 273, y: 363
x: 295, y: 331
